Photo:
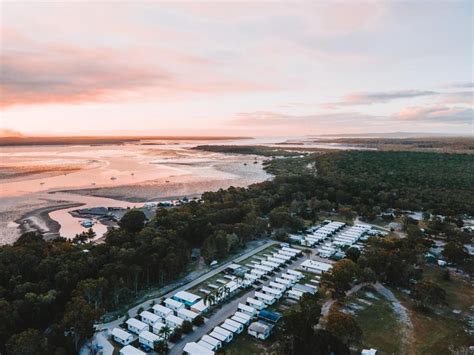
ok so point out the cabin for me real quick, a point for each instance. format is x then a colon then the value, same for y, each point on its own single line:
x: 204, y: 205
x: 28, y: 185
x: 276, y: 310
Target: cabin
x: 260, y: 330
x: 255, y: 303
x: 305, y: 289
x: 294, y: 294
x: 268, y: 316
x: 245, y: 318
x: 162, y: 311
x: 200, y: 307
x: 196, y: 349
x: 216, y: 344
x: 121, y: 336
x: 148, y: 339
x: 298, y: 274
x: 186, y: 314
x: 315, y: 267
x: 277, y: 293
x: 173, y: 304
x: 265, y: 298
x: 277, y: 285
x: 228, y: 334
x: 292, y: 278
x: 173, y: 322
x: 149, y: 318
x: 242, y: 321
x: 285, y: 282
x: 239, y: 326
x: 130, y: 350
x: 187, y: 298
x: 136, y: 326
x: 230, y: 328
x: 247, y: 309
x: 218, y: 336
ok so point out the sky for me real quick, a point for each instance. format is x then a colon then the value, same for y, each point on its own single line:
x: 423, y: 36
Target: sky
x: 246, y: 68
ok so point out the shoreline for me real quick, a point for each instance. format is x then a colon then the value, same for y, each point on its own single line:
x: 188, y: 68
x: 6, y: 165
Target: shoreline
x: 39, y: 220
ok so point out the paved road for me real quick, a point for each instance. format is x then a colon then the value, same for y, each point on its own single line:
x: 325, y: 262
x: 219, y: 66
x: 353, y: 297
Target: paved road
x: 133, y: 311
x: 223, y: 313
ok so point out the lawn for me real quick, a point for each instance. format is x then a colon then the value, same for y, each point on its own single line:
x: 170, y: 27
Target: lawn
x: 442, y: 331
x: 244, y: 344
x: 380, y: 327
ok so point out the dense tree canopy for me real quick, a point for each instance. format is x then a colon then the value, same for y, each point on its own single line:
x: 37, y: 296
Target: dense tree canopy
x: 59, y: 288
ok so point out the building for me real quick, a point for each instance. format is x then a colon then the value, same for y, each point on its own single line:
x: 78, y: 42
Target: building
x: 237, y: 325
x: 255, y: 303
x: 173, y: 304
x: 260, y: 330
x: 315, y: 267
x: 136, y: 326
x: 186, y: 298
x: 130, y: 350
x: 148, y: 339
x: 196, y: 349
x: 369, y: 352
x: 216, y: 344
x: 200, y: 307
x: 162, y: 311
x: 121, y: 336
x: 186, y: 314
x: 173, y: 321
x: 247, y: 309
x: 228, y: 335
x: 269, y: 316
x: 149, y: 318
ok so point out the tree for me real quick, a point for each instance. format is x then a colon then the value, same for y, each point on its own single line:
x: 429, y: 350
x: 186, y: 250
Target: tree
x: 455, y: 252
x: 78, y: 321
x: 165, y: 333
x: 133, y: 221
x: 353, y: 254
x: 341, y: 276
x: 161, y: 347
x: 198, y: 321
x: 427, y: 294
x: 177, y: 334
x: 187, y: 327
x: 28, y: 342
x: 344, y: 326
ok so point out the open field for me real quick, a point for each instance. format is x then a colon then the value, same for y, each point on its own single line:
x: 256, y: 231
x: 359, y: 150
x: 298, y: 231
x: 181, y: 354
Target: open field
x: 379, y: 324
x: 442, y: 331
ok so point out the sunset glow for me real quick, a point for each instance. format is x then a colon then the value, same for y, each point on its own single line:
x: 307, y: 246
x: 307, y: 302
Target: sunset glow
x: 253, y: 69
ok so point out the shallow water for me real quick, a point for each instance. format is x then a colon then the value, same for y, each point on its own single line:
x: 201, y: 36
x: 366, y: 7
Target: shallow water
x: 156, y: 171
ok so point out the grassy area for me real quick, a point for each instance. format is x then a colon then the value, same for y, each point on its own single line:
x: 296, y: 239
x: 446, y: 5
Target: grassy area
x: 244, y: 344
x: 442, y: 331
x: 380, y: 327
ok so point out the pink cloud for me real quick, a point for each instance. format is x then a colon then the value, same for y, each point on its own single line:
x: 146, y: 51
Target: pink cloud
x: 445, y: 114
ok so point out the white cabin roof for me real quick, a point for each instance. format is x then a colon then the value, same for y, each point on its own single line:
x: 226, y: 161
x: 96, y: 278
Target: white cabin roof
x: 120, y: 333
x: 131, y: 350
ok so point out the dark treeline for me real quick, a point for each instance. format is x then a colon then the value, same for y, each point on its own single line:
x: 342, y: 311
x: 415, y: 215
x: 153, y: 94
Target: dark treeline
x: 52, y: 292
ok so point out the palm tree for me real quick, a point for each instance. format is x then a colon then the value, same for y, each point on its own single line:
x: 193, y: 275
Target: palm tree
x: 210, y: 298
x: 165, y: 333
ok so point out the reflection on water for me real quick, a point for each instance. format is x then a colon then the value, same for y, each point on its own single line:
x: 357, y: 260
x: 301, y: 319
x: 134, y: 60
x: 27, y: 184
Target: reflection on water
x: 70, y: 226
x: 146, y: 171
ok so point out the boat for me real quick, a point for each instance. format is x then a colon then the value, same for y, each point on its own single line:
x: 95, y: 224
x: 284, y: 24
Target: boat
x: 88, y: 223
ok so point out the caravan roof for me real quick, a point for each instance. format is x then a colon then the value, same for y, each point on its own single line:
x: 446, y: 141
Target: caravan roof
x: 196, y: 349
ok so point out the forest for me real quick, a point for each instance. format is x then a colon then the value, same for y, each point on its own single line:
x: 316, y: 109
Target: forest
x: 51, y: 293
